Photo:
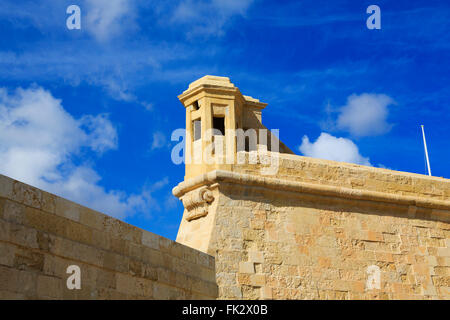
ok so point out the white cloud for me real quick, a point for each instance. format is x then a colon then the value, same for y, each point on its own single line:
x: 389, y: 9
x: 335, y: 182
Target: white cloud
x: 102, y: 134
x: 38, y: 141
x: 117, y: 89
x: 171, y: 201
x: 333, y: 148
x: 103, y: 19
x: 365, y: 114
x: 118, y: 71
x: 108, y: 18
x: 120, y: 66
x: 147, y: 106
x: 208, y: 17
x: 159, y: 140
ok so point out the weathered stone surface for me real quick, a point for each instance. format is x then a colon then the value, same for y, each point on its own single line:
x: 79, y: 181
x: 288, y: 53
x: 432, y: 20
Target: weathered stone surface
x: 6, y: 187
x: 42, y: 234
x: 312, y: 229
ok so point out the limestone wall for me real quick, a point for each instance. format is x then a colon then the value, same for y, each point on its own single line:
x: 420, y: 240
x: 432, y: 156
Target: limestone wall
x: 351, y: 176
x: 41, y: 235
x: 317, y: 228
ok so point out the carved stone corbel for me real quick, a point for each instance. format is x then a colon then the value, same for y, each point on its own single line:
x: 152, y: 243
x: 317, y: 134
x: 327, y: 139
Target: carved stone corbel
x: 196, y: 202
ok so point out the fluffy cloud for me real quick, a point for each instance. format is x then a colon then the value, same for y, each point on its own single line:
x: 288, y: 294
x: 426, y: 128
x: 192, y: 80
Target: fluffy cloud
x: 39, y: 140
x: 365, y: 114
x: 208, y: 17
x: 103, y: 19
x: 107, y: 18
x: 333, y: 148
x: 159, y: 140
x: 103, y: 53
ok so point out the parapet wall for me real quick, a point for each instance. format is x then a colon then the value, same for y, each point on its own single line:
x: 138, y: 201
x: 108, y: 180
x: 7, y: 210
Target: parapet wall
x: 321, y: 229
x: 351, y: 176
x: 42, y: 234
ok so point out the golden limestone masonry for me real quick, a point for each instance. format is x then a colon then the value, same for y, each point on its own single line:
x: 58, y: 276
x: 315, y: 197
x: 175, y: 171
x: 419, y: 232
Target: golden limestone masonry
x: 310, y: 228
x: 259, y: 223
x: 42, y: 235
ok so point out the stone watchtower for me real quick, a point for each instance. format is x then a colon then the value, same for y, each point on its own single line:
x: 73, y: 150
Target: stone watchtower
x: 215, y: 110
x: 312, y: 229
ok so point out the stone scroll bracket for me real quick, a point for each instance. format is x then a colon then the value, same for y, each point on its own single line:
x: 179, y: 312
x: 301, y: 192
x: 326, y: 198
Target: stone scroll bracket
x: 197, y: 202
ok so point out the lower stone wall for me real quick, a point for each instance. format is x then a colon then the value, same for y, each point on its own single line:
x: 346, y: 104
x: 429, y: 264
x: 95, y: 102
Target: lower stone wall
x: 273, y: 244
x: 41, y: 235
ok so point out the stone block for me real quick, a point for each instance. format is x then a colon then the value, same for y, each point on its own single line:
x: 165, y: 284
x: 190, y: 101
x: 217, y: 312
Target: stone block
x: 28, y: 260
x: 44, y: 221
x: 91, y: 218
x: 246, y: 267
x: 125, y: 283
x: 50, y: 287
x: 266, y: 293
x: 21, y: 235
x: 443, y: 252
x: 7, y: 254
x: 27, y: 195
x: 48, y: 202
x: 257, y: 280
x: 13, y: 212
x: 150, y: 240
x: 67, y: 209
x: 164, y: 292
x: 77, y: 232
x: 6, y: 187
x: 256, y: 256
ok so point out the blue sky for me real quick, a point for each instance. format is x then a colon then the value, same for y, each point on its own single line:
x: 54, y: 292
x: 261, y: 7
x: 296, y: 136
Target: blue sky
x: 88, y: 113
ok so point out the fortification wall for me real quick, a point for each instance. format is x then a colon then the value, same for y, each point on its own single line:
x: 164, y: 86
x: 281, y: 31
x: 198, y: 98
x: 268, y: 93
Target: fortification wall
x: 42, y: 234
x: 347, y: 175
x: 317, y: 228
